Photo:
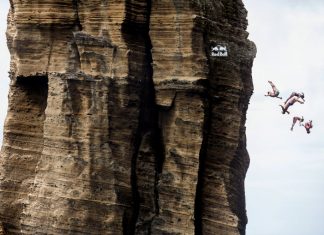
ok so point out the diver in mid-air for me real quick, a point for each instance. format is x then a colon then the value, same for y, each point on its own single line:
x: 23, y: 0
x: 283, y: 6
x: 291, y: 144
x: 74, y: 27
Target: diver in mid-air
x: 290, y: 101
x: 308, y: 125
x: 295, y: 119
x: 274, y: 93
x: 300, y: 95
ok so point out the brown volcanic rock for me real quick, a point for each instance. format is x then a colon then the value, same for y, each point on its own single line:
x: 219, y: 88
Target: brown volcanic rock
x: 121, y: 121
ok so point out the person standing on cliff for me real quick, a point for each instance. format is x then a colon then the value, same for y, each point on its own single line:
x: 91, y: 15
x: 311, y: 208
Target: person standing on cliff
x: 308, y: 126
x: 295, y: 119
x: 289, y: 103
x: 274, y: 93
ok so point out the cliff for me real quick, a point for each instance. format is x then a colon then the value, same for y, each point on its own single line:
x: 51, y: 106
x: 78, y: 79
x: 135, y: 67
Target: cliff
x: 126, y: 117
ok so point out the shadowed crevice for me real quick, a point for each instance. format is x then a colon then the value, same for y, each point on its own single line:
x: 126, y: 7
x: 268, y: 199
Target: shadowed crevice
x: 135, y: 31
x: 77, y: 18
x: 241, y: 160
x: 36, y: 90
x: 204, y: 146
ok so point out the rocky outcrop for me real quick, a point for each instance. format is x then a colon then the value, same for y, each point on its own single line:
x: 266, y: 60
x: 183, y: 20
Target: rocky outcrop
x: 123, y: 120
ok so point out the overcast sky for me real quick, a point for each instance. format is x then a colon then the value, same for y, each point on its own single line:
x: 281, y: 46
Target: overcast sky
x: 285, y: 181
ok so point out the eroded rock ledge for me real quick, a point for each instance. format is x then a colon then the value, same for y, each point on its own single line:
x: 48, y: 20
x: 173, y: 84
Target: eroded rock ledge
x: 121, y: 121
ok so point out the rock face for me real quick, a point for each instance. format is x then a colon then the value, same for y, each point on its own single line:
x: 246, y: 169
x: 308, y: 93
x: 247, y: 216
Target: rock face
x: 123, y: 120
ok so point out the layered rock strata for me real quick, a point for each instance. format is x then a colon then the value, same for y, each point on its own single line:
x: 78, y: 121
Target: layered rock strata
x: 122, y: 121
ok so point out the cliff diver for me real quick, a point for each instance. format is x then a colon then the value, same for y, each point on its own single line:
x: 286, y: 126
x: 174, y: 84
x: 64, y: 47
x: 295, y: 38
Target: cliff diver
x: 274, y: 92
x: 289, y: 103
x: 308, y: 125
x: 300, y: 95
x: 295, y: 119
